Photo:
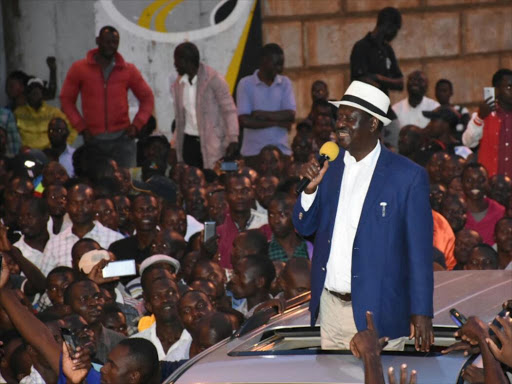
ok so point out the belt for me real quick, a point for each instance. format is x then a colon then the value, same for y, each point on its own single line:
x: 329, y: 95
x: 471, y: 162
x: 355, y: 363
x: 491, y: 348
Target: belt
x: 196, y: 138
x: 341, y: 296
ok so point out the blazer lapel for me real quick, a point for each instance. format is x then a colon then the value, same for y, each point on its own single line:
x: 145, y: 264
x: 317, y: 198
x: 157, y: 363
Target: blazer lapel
x: 379, y: 178
x: 334, y: 187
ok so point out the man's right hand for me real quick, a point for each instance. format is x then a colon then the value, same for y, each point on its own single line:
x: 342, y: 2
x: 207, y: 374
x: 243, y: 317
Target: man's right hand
x: 486, y: 107
x: 313, y: 172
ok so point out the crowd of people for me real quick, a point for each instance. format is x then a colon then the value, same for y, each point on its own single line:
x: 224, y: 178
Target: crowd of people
x: 83, y: 187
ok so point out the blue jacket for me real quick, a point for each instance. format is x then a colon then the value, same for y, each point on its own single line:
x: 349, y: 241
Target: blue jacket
x: 392, y: 273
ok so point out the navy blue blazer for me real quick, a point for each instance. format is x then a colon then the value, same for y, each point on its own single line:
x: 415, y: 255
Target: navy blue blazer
x: 392, y: 273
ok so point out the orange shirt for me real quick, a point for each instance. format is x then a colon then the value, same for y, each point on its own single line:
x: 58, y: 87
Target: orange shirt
x: 444, y: 239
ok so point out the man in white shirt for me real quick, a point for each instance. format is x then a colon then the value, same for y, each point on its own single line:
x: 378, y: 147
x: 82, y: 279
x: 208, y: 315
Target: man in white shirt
x: 161, y: 297
x: 205, y: 113
x: 373, y: 225
x: 410, y: 110
x: 80, y: 209
x: 32, y: 221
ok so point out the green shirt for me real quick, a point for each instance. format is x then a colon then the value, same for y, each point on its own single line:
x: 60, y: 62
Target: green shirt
x: 277, y: 253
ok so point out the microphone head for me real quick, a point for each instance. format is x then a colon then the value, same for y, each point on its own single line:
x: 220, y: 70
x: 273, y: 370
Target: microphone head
x: 330, y: 150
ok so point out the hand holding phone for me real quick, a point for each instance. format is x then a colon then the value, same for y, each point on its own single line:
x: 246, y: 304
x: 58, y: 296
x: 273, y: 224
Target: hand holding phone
x: 489, y: 104
x: 70, y: 340
x: 120, y: 268
x: 458, y: 318
x: 209, y: 230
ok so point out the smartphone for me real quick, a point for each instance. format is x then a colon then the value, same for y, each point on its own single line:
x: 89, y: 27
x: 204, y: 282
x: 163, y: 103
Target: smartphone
x: 489, y: 93
x: 229, y: 166
x: 458, y: 318
x: 120, y: 268
x: 209, y: 230
x: 69, y: 338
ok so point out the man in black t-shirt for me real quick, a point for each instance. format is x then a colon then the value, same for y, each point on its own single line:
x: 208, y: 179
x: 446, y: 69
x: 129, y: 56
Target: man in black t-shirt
x: 373, y: 61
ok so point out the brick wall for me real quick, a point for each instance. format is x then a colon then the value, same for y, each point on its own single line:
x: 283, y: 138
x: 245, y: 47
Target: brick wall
x: 465, y: 41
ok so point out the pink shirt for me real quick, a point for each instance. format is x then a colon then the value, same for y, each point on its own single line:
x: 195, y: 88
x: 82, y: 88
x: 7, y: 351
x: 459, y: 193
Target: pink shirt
x: 485, y: 227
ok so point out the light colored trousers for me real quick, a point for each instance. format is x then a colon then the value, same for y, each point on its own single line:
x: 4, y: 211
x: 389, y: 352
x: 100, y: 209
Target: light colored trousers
x: 337, y: 326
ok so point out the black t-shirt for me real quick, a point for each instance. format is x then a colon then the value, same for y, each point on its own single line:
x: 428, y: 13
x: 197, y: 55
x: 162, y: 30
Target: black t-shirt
x: 128, y: 248
x: 370, y: 57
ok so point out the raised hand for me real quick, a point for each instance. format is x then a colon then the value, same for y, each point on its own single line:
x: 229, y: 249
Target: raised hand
x: 403, y: 375
x: 505, y: 337
x: 486, y: 107
x: 367, y: 341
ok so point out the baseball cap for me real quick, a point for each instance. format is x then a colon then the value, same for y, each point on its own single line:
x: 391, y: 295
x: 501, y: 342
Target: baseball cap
x: 158, y: 185
x: 443, y: 113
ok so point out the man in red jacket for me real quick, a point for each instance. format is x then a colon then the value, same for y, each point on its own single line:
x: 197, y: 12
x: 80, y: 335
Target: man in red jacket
x: 103, y: 79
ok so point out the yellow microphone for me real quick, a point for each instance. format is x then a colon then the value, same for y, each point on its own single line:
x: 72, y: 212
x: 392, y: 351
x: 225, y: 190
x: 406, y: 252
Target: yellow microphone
x: 329, y: 152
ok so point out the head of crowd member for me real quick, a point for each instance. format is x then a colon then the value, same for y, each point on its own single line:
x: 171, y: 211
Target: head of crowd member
x: 442, y: 124
x: 54, y: 174
x: 434, y: 166
x: 104, y: 167
x: 250, y: 242
x: 159, y: 266
x: 193, y: 306
x: 33, y: 218
x: 122, y: 205
x: 275, y: 287
x: 217, y: 205
x: 502, y: 82
x: 475, y: 182
x: 207, y: 287
x: 18, y: 189
x: 187, y: 265
x: 239, y: 194
x: 323, y: 122
x: 209, y: 270
x: 465, y: 240
x: 211, y: 329
x: 192, y: 177
x: 58, y: 132
x: 389, y: 22
x: 417, y: 84
x: 114, y: 319
x: 34, y: 92
x: 155, y: 151
x: 302, y: 147
x: 80, y: 205
x: 15, y: 86
x: 80, y: 248
x: 105, y: 212
x: 503, y: 237
x: 289, y: 186
x: 455, y: 186
x: 174, y: 218
x: 454, y: 209
x: 452, y: 167
x: 250, y: 173
x: 270, y: 161
x: 482, y: 257
x: 169, y: 242
x: 85, y: 299
x: 444, y: 91
x: 271, y: 61
x: 133, y: 361
x: 107, y: 42
x: 186, y: 59
x: 295, y: 279
x: 196, y: 202
x: 280, y: 215
x: 409, y: 140
x: 265, y: 189
x: 500, y: 189
x: 251, y: 280
x: 161, y: 297
x: 319, y: 90
x: 437, y: 193
x: 57, y: 281
x: 144, y: 213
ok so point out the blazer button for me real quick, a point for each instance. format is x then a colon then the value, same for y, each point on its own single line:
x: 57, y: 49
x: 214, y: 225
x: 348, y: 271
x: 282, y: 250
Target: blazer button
x: 323, y: 269
x: 300, y: 216
x: 329, y: 241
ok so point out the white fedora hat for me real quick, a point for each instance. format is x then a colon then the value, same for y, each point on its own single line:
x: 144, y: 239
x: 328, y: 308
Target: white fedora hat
x: 367, y: 98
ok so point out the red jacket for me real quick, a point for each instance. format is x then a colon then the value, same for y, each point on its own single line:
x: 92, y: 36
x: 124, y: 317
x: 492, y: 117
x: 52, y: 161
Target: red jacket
x: 104, y: 104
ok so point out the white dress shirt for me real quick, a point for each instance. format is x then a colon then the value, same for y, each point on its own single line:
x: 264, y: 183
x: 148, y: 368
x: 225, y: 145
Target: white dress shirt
x: 354, y: 187
x: 414, y: 115
x: 189, y: 103
x: 33, y: 378
x: 178, y: 351
x: 58, y: 249
x: 66, y: 223
x: 31, y: 254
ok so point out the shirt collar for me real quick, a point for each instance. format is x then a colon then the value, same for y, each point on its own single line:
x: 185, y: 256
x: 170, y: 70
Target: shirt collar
x: 277, y: 80
x: 185, y: 79
x: 369, y: 159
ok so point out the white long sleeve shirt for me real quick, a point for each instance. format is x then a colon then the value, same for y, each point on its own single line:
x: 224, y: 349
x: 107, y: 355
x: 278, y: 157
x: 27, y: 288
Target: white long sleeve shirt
x: 354, y: 187
x: 189, y: 103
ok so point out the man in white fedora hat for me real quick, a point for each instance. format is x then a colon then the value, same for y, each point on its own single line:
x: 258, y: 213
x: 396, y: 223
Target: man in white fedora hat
x: 371, y: 214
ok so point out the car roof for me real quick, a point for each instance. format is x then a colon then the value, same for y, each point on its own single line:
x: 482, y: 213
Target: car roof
x: 478, y: 293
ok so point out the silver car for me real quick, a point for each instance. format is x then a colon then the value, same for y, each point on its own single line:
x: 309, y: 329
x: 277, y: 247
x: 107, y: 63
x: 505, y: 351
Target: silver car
x: 285, y: 349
